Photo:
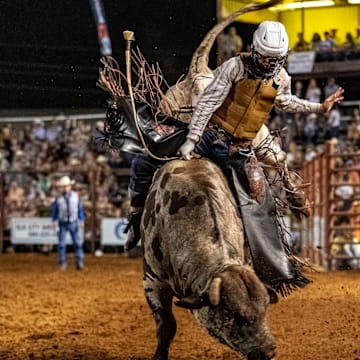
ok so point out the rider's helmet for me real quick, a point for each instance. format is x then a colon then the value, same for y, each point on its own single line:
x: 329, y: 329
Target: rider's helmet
x: 269, y: 49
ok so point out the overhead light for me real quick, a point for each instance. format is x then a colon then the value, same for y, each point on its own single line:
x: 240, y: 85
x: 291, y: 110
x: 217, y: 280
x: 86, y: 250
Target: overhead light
x: 353, y: 1
x: 305, y: 4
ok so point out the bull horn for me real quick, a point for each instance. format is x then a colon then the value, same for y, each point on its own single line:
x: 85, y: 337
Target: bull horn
x: 214, y: 292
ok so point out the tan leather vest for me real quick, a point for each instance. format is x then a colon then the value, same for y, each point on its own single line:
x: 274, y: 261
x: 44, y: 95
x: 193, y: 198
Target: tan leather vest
x: 246, y: 108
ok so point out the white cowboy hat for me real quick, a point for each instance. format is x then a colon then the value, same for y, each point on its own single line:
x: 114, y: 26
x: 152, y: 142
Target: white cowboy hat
x: 65, y: 181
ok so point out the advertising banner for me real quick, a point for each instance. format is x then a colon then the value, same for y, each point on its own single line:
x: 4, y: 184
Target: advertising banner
x: 34, y: 231
x: 301, y: 62
x: 112, y: 231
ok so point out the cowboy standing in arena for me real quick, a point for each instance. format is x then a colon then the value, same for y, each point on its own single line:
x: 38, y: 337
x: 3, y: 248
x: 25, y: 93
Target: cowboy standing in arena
x: 231, y: 111
x: 68, y: 216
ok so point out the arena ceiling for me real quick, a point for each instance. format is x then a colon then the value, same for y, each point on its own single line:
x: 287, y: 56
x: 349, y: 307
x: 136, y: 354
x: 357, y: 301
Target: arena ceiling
x: 50, y: 56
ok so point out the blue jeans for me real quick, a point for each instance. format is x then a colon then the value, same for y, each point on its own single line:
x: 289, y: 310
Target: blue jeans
x: 213, y: 148
x: 73, y: 229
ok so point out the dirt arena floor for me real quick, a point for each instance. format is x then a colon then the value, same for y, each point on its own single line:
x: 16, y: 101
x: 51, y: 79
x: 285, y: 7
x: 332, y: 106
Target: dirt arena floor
x: 101, y: 313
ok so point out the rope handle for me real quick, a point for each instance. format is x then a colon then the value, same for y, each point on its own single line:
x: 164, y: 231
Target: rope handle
x: 129, y: 37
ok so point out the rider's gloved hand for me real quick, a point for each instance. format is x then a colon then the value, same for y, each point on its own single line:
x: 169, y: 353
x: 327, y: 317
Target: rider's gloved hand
x: 188, y: 147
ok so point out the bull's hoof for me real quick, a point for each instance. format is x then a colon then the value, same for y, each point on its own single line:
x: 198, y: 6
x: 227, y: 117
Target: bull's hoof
x: 131, y: 241
x: 135, y: 253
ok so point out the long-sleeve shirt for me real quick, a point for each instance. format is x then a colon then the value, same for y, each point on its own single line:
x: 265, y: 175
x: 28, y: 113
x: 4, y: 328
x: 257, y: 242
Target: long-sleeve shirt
x: 231, y: 72
x: 68, y: 208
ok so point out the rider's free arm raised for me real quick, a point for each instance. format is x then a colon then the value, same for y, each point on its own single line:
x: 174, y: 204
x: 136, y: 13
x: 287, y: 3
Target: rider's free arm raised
x: 286, y: 101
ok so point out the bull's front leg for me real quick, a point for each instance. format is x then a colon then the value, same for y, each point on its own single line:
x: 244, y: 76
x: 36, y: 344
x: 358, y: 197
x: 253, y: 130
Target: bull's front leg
x: 159, y: 297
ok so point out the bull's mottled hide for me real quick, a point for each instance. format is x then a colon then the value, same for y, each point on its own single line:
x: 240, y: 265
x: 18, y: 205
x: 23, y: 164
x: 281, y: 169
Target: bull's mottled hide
x: 194, y: 250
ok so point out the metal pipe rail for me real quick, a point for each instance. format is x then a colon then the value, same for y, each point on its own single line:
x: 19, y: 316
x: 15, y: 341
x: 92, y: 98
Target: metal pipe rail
x: 321, y: 228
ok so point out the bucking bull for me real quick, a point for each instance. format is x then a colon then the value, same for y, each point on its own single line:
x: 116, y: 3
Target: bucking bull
x: 194, y: 250
x: 192, y: 234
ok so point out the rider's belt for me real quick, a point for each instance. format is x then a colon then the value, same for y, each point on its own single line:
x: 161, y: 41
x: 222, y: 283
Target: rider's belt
x: 246, y: 108
x: 238, y: 145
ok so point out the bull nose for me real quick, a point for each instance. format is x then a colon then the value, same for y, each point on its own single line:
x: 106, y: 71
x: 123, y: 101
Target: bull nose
x: 260, y: 354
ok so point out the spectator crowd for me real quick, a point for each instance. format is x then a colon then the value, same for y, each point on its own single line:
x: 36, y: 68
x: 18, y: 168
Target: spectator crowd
x: 35, y: 154
x: 329, y: 47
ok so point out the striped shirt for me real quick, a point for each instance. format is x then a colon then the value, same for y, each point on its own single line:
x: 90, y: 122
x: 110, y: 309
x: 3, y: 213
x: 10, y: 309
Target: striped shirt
x: 225, y: 76
x: 68, y: 208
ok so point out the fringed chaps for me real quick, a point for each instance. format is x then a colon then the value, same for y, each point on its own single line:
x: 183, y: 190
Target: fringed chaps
x: 271, y: 259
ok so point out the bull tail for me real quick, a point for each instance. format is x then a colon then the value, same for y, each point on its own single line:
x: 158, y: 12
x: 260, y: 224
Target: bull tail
x: 200, y: 58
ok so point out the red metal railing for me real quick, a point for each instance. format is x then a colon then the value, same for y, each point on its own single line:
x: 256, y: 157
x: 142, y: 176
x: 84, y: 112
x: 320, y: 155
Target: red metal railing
x: 321, y: 232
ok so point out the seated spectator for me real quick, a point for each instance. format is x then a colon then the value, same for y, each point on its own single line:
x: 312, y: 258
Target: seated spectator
x: 334, y: 37
x: 353, y: 130
x: 357, y: 38
x: 44, y: 184
x: 4, y: 164
x: 21, y: 161
x: 349, y: 43
x: 322, y: 131
x: 313, y: 92
x: 310, y: 129
x: 53, y: 132
x: 349, y: 47
x: 229, y: 45
x: 302, y: 44
x: 38, y: 131
x: 345, y: 193
x: 6, y: 140
x: 310, y: 153
x: 315, y: 42
x: 16, y: 196
x: 334, y: 122
x: 330, y: 87
x: 340, y: 249
x: 299, y: 89
x: 326, y: 48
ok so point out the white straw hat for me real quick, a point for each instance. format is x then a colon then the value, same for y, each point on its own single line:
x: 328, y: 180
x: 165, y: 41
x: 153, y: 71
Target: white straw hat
x: 65, y: 181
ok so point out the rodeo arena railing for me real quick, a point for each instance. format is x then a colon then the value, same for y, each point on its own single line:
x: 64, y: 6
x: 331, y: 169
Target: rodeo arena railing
x: 330, y: 237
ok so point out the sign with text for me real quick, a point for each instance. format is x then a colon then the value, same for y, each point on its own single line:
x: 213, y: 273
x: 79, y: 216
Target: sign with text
x: 301, y: 62
x: 34, y: 231
x: 112, y: 231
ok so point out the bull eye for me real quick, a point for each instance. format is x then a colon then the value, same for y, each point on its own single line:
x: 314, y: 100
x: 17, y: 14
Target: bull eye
x: 239, y: 319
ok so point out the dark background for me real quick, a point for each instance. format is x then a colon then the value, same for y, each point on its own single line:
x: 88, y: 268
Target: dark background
x: 50, y: 55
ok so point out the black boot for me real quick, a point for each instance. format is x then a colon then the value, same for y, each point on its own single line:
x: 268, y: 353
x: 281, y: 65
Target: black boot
x: 133, y: 229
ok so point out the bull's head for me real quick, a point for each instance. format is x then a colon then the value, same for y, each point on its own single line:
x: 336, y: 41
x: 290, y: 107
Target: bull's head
x: 234, y: 312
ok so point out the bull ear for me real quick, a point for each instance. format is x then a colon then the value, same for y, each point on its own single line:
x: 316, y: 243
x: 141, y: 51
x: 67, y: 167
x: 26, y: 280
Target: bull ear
x: 272, y: 294
x: 191, y: 302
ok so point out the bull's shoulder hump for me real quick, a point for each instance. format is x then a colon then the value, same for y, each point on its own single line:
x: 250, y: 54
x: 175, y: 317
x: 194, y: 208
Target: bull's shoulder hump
x: 196, y: 174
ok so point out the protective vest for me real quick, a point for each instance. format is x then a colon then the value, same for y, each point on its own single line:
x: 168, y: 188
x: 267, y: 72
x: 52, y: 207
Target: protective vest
x: 246, y: 108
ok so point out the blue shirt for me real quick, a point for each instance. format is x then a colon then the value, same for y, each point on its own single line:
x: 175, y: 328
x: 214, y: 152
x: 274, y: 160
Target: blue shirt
x: 68, y: 208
